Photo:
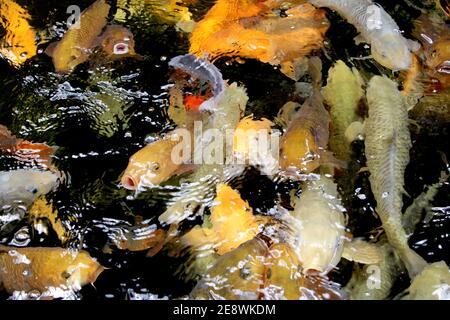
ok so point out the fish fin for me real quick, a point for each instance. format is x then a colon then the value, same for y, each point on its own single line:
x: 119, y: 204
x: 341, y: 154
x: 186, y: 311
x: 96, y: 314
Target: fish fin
x: 185, y: 168
x: 414, y: 263
x: 415, y: 123
x: 50, y: 50
x: 361, y: 251
x: 294, y: 69
x: 327, y: 158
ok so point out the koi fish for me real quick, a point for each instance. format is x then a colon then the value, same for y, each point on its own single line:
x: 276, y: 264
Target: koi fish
x: 232, y: 223
x: 39, y: 268
x: 433, y: 283
x: 342, y: 93
x: 257, y: 270
x: 153, y: 164
x: 19, y: 42
x: 249, y: 29
x: 388, y: 46
x: 303, y: 145
x: 24, y: 150
x: 366, y: 285
x: 387, y: 144
x: 77, y: 43
x: 204, y: 71
x: 43, y: 209
x: 433, y: 32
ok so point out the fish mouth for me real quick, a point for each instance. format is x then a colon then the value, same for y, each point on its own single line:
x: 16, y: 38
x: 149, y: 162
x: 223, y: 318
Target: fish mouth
x: 129, y: 182
x: 444, y: 67
x: 121, y: 48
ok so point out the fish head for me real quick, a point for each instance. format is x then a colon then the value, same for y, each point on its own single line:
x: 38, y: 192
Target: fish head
x: 82, y: 270
x: 299, y: 152
x: 392, y: 51
x: 118, y: 41
x: 320, y: 249
x: 152, y: 165
x: 438, y: 57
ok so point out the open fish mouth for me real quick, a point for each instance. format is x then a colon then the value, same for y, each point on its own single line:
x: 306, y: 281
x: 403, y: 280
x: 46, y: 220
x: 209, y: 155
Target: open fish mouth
x: 444, y: 67
x: 121, y: 48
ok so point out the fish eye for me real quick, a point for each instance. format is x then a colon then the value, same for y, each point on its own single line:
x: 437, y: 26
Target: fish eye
x: 310, y: 156
x: 24, y: 54
x: 65, y: 275
x: 155, y: 166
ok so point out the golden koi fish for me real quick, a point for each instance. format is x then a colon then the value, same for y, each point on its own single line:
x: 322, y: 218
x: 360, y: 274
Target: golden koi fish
x: 153, y: 164
x: 19, y: 43
x: 76, y: 45
x: 39, y: 268
x: 247, y: 28
x: 232, y: 223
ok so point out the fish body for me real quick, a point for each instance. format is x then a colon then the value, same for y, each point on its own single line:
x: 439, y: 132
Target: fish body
x: 284, y: 281
x: 77, y: 43
x: 342, y: 93
x: 387, y: 145
x: 232, y: 223
x: 237, y: 275
x: 433, y: 283
x: 19, y: 43
x: 257, y: 271
x: 43, y: 209
x: 167, y: 11
x: 388, y: 46
x: 249, y: 29
x: 433, y: 32
x: 24, y: 150
x: 318, y: 226
x: 39, y: 268
x: 306, y: 138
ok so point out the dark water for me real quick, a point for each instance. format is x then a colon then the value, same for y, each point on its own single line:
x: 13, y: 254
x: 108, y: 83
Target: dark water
x: 39, y: 106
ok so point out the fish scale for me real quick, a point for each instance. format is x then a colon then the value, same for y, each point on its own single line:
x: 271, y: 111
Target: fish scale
x: 387, y: 147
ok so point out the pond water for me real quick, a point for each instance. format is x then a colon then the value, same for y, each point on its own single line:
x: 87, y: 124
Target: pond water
x: 105, y: 109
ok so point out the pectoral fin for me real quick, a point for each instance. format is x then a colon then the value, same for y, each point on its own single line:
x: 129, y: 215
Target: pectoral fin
x: 361, y: 251
x: 51, y: 49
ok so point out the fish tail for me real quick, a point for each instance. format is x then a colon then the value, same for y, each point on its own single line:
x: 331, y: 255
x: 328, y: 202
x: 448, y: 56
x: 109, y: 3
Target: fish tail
x: 414, y: 263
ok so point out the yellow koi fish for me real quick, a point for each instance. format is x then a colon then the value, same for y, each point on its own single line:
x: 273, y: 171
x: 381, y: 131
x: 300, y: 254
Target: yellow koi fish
x: 232, y: 223
x: 19, y: 43
x: 76, y: 45
x: 153, y: 164
x: 39, y: 268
